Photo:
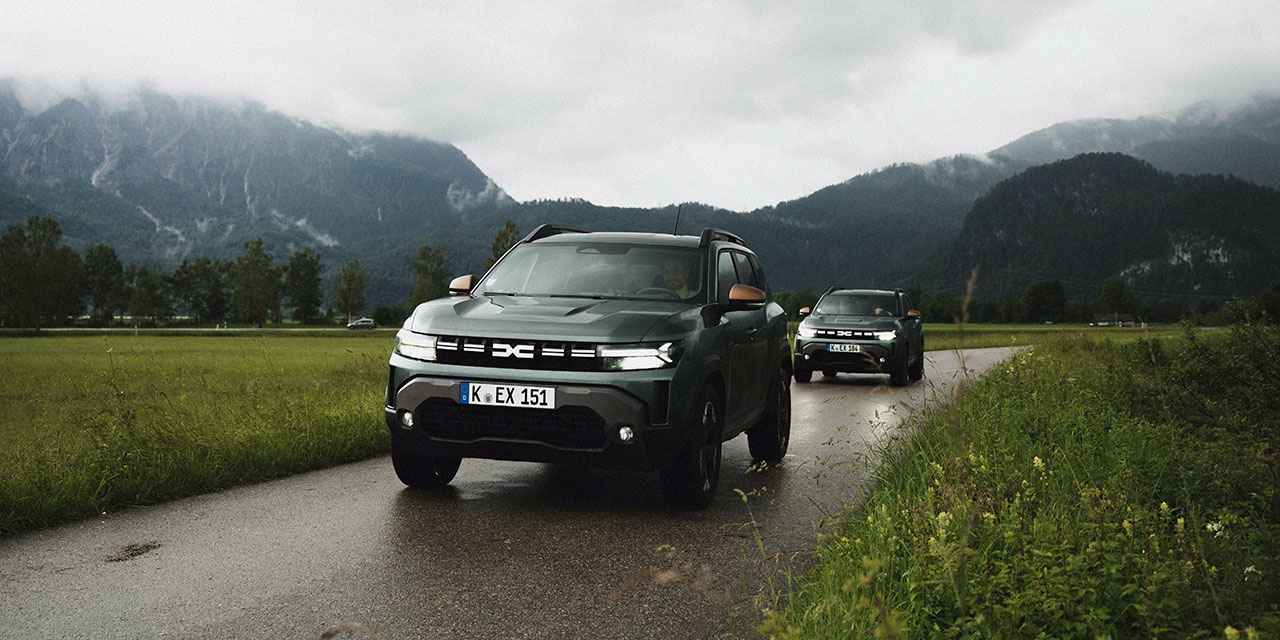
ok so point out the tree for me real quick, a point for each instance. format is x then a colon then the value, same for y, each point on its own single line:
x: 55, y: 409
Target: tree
x: 390, y: 315
x: 39, y: 279
x: 201, y: 288
x: 942, y: 306
x: 149, y: 294
x: 1269, y: 299
x: 103, y: 282
x: 432, y: 269
x: 302, y: 285
x: 507, y: 237
x: 1044, y: 300
x: 255, y: 285
x: 349, y: 293
x: 1115, y: 298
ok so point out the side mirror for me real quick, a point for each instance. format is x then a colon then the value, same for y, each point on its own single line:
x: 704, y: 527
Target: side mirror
x: 461, y: 285
x: 742, y: 295
x: 804, y: 311
x: 913, y: 314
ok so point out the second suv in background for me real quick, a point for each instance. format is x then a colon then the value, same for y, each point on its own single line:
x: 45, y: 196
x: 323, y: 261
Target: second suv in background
x: 861, y: 331
x: 635, y: 351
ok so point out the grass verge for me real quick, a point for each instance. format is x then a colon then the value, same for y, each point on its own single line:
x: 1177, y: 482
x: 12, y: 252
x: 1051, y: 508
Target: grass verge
x: 97, y: 423
x: 1084, y: 489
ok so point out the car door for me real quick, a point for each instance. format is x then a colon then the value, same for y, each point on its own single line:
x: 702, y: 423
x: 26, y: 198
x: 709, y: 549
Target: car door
x: 757, y: 332
x: 913, y: 325
x: 735, y: 341
x: 745, y: 331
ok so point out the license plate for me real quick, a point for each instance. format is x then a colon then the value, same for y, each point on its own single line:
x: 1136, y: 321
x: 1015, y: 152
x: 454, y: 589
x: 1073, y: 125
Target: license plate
x: 845, y: 348
x: 507, y: 395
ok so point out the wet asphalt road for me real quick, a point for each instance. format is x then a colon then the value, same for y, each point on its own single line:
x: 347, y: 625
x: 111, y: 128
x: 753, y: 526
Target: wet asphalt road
x: 510, y: 550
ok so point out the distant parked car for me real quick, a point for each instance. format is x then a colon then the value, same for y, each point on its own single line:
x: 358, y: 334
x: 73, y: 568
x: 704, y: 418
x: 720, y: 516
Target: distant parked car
x: 363, y: 323
x: 861, y: 331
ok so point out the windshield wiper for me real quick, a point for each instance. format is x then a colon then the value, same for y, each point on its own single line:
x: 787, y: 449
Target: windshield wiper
x: 503, y: 293
x: 589, y: 296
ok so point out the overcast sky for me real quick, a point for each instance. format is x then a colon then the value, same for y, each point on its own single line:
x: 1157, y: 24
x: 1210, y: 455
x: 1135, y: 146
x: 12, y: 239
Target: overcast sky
x: 734, y: 104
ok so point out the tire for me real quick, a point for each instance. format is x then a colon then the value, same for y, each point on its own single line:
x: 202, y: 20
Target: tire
x: 828, y: 374
x: 803, y: 373
x: 422, y: 472
x: 691, y: 481
x: 916, y: 371
x: 769, y: 438
x: 898, y: 376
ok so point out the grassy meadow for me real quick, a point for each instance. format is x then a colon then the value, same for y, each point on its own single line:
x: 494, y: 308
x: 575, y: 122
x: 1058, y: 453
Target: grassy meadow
x: 95, y: 422
x: 1084, y: 489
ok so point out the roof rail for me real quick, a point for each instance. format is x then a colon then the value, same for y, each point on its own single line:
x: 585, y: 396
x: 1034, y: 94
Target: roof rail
x: 545, y: 230
x: 829, y: 290
x: 709, y: 235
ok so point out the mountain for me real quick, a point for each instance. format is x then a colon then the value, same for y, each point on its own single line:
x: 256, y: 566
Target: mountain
x: 1244, y: 142
x: 1104, y: 215
x: 164, y: 179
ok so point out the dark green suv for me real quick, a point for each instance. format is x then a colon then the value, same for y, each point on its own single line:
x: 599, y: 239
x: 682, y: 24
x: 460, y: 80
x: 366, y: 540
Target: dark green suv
x: 861, y: 331
x: 618, y: 350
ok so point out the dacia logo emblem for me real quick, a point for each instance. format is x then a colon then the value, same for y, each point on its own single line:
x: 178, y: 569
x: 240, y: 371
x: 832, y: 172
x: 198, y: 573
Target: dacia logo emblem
x: 501, y: 350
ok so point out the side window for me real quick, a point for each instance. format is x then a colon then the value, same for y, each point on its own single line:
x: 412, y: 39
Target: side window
x: 727, y: 276
x: 755, y: 264
x: 746, y: 275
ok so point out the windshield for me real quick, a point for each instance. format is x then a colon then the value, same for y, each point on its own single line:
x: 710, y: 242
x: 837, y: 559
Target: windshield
x: 858, y: 305
x: 598, y: 270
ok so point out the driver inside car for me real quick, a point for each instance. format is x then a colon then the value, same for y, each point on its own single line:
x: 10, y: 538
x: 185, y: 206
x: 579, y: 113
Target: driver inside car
x: 675, y: 275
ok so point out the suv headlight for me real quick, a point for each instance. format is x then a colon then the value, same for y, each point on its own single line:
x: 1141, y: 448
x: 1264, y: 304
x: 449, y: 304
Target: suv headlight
x: 886, y: 335
x: 415, y: 345
x: 805, y: 332
x: 633, y: 357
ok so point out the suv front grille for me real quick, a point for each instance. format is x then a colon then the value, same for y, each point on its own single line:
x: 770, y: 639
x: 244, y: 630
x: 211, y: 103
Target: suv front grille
x: 849, y: 334
x: 517, y: 354
x: 565, y: 427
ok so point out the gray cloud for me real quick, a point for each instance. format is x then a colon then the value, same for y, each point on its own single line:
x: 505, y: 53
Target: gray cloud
x: 738, y: 104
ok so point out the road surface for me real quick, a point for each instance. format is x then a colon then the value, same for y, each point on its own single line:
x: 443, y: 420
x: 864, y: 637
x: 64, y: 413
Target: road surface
x: 510, y: 550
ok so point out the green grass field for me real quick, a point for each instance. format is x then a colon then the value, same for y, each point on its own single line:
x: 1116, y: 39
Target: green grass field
x: 1085, y: 489
x: 91, y: 423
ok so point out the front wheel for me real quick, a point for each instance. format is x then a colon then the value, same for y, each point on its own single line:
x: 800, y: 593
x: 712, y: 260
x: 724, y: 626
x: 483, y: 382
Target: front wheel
x: 422, y: 472
x: 916, y: 371
x: 803, y: 373
x: 690, y: 482
x: 769, y: 438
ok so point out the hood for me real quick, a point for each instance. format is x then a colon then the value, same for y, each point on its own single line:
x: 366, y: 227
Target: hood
x: 533, y: 318
x: 869, y: 323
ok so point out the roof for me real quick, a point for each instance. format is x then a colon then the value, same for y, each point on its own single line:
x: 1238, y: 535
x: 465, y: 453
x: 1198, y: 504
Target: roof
x: 622, y: 236
x: 861, y: 292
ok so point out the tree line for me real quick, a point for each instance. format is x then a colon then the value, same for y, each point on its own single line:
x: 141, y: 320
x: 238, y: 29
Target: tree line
x: 44, y: 283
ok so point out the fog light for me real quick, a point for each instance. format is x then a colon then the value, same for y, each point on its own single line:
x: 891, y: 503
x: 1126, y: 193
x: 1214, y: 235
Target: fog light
x: 881, y: 360
x: 626, y: 433
x: 406, y: 420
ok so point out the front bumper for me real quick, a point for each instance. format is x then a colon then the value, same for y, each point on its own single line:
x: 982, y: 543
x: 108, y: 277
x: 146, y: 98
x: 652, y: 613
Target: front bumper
x: 592, y: 408
x: 873, y: 356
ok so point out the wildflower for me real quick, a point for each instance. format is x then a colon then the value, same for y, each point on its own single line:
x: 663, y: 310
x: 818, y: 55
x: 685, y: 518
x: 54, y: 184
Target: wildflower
x: 1164, y: 508
x: 1215, y: 528
x: 1180, y: 525
x: 1231, y: 633
x: 989, y: 517
x: 1252, y: 633
x: 1039, y: 464
x: 1128, y: 528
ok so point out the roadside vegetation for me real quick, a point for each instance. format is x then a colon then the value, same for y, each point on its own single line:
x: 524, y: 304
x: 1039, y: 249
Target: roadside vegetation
x: 94, y: 423
x: 1085, y: 488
